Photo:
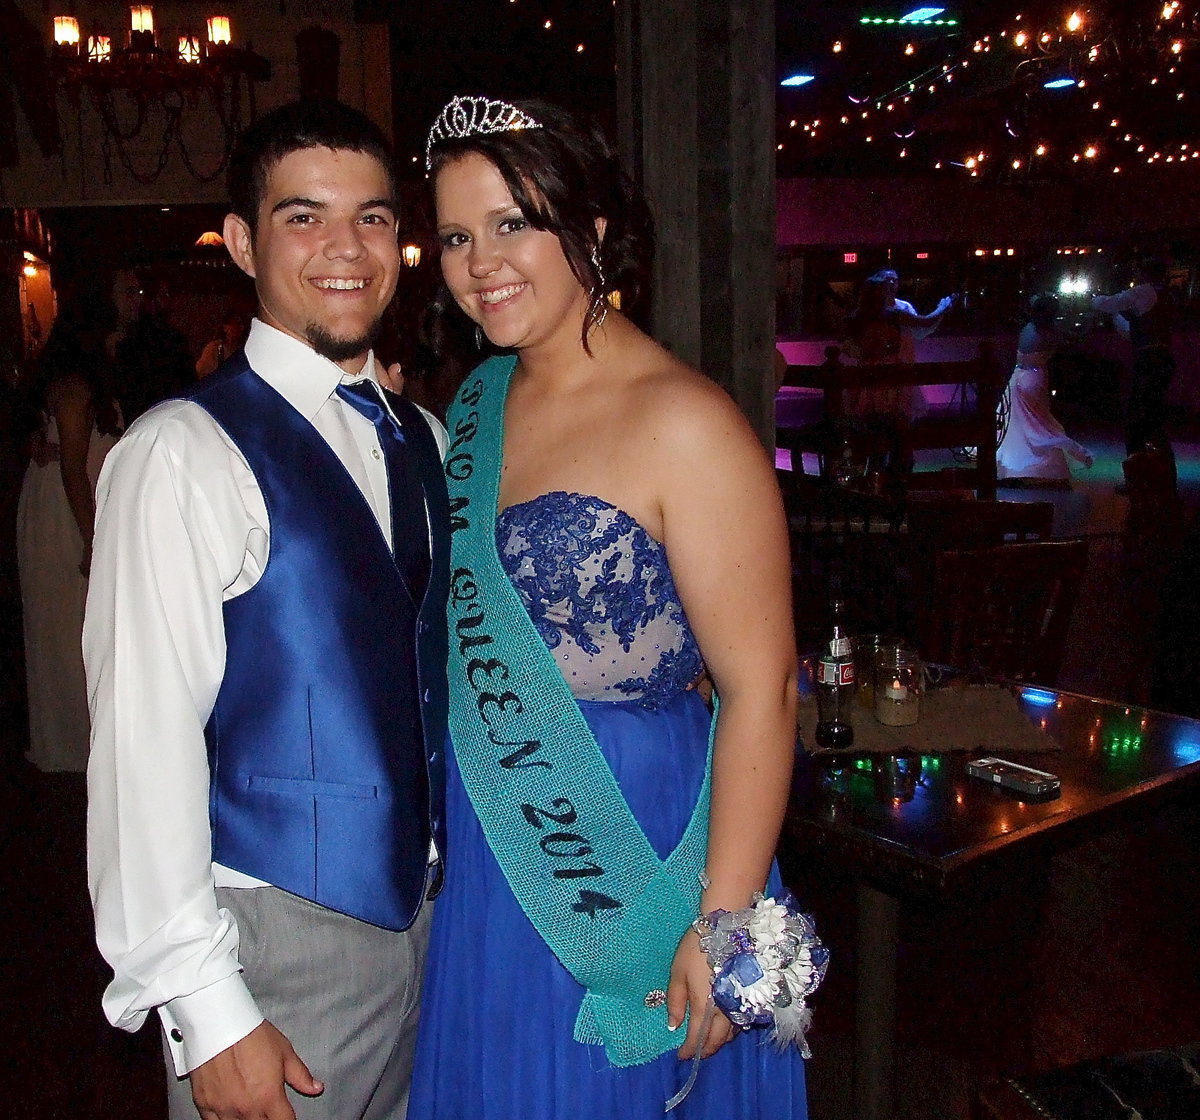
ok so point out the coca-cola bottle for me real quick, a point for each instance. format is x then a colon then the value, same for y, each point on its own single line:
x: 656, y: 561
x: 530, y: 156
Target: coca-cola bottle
x: 835, y: 686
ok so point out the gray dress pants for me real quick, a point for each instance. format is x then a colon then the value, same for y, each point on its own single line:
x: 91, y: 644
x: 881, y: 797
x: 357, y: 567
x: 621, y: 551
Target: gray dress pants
x: 345, y: 994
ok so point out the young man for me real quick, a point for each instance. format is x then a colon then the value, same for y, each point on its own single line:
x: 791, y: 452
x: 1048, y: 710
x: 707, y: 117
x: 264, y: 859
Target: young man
x: 265, y: 646
x: 1143, y: 314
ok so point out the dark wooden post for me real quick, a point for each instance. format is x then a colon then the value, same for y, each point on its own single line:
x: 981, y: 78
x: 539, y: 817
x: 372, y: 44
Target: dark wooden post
x: 696, y: 90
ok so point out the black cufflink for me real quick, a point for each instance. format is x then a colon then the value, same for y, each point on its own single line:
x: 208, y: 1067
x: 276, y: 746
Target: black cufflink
x: 176, y: 1034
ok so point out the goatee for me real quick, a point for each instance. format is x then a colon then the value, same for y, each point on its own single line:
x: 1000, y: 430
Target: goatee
x: 340, y: 349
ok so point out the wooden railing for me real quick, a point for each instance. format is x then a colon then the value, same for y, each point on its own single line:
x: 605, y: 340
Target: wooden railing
x: 969, y: 423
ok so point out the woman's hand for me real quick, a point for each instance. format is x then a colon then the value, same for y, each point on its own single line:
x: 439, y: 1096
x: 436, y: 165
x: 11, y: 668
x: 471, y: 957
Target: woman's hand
x: 690, y: 990
x: 391, y: 377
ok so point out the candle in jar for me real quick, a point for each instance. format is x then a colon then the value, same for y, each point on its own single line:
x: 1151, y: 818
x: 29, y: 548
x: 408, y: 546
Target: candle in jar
x: 897, y: 705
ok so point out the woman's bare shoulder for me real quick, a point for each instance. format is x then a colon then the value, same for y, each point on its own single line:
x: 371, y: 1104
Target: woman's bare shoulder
x: 673, y: 397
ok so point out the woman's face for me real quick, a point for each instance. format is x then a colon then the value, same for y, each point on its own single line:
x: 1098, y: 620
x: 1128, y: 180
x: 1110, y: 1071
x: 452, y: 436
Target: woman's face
x: 127, y: 297
x: 510, y: 278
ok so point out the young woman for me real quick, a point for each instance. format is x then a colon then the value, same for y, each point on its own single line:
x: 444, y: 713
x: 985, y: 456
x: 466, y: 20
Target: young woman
x: 1035, y: 447
x: 618, y: 533
x: 80, y: 423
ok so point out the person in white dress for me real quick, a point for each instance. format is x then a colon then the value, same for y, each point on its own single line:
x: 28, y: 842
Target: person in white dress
x: 55, y: 514
x: 1035, y: 448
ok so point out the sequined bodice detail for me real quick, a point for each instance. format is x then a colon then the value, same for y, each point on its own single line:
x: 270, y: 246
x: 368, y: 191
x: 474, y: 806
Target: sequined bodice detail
x: 599, y: 591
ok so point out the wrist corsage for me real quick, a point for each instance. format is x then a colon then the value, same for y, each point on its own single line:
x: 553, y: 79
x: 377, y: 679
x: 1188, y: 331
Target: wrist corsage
x: 766, y: 961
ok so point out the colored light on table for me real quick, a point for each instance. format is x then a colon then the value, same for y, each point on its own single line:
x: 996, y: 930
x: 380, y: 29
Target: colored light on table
x: 1038, y: 696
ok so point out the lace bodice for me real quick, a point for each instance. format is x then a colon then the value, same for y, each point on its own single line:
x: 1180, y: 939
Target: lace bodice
x: 599, y: 591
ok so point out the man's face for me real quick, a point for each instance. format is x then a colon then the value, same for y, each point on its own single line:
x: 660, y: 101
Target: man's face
x: 324, y: 256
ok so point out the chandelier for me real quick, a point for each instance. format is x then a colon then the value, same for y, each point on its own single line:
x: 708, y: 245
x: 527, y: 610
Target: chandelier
x: 141, y: 91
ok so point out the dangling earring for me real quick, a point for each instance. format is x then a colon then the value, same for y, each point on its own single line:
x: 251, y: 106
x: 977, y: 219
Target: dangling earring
x: 478, y: 337
x: 598, y: 292
x: 598, y: 267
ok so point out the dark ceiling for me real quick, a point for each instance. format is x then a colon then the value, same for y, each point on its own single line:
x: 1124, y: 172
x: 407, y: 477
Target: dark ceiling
x: 988, y: 96
x: 897, y: 98
x: 954, y: 88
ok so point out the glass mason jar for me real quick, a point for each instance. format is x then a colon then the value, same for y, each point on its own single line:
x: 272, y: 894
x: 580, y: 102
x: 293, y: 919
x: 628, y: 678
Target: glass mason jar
x: 899, y: 682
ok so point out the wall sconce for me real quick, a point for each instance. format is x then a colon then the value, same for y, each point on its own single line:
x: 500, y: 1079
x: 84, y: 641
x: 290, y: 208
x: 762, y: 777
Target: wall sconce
x: 141, y: 28
x: 412, y: 255
x: 66, y: 34
x: 210, y: 237
x: 143, y: 88
x: 189, y: 49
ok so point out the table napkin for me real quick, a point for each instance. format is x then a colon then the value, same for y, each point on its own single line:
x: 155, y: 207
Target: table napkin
x: 976, y: 718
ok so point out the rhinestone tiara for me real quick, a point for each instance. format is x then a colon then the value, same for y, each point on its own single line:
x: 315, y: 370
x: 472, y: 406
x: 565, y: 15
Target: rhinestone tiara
x: 475, y: 116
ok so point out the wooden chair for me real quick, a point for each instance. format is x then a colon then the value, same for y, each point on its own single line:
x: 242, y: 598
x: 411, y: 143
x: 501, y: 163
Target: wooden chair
x: 941, y: 524
x: 845, y: 544
x: 971, y: 424
x: 934, y: 525
x: 1004, y: 611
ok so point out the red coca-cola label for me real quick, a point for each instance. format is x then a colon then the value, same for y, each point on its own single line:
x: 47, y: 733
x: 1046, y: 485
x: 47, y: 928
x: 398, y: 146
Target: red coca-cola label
x: 835, y: 672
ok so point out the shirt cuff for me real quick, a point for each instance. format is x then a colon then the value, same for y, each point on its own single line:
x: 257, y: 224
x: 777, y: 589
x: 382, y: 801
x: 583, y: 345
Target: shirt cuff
x: 200, y: 1025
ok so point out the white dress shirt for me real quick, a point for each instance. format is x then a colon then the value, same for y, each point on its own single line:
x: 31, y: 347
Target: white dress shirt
x: 181, y: 527
x: 1137, y: 300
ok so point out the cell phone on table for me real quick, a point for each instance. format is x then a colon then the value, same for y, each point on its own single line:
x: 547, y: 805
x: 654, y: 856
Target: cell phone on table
x: 1013, y: 776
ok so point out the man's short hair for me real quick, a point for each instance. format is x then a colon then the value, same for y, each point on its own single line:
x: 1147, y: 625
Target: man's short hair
x: 885, y: 276
x: 290, y: 128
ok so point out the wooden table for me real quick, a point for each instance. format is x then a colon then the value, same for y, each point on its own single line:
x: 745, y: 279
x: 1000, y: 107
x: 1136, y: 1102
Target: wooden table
x: 902, y: 836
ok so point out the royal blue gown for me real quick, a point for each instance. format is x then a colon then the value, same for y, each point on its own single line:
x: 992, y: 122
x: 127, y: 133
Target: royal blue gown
x: 498, y: 1008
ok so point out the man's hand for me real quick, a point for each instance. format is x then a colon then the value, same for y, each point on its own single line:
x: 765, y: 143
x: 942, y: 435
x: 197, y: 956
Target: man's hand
x: 246, y: 1081
x: 690, y: 990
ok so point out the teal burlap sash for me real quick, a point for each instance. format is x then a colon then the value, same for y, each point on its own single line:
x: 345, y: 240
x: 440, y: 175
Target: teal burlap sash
x: 578, y: 862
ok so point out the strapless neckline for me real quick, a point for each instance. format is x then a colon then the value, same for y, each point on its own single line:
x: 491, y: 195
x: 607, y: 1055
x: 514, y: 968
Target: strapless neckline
x: 576, y: 495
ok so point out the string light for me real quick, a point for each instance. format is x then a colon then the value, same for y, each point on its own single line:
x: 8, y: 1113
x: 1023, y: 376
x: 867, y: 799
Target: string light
x: 1090, y: 60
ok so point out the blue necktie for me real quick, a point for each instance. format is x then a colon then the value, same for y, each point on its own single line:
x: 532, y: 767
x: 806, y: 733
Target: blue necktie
x: 410, y: 531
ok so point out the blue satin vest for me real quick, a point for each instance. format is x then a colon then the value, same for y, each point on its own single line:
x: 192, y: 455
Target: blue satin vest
x: 326, y: 742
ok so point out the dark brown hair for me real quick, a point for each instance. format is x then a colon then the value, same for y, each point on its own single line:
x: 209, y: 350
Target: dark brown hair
x: 290, y: 128
x: 564, y: 176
